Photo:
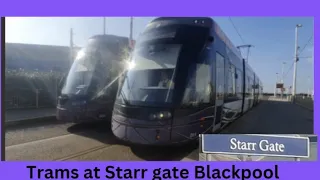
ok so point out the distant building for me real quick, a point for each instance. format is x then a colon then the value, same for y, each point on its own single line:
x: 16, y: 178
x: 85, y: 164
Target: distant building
x: 37, y: 57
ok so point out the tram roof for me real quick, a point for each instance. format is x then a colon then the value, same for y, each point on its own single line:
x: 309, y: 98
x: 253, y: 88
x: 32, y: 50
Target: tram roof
x: 202, y: 21
x: 205, y: 22
x: 107, y: 36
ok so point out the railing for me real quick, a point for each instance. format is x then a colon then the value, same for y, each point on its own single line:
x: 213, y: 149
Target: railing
x: 31, y: 89
x: 28, y: 98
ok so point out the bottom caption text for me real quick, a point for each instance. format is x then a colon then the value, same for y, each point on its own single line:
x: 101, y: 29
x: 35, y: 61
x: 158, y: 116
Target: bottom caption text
x: 113, y: 172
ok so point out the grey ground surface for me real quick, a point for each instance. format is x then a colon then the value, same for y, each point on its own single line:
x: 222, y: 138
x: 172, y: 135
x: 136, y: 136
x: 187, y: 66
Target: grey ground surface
x: 25, y: 114
x: 271, y: 117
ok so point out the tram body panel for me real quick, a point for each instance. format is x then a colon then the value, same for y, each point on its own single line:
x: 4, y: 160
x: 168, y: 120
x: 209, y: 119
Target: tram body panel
x: 232, y: 110
x: 136, y: 124
x: 246, y: 105
x: 209, y: 78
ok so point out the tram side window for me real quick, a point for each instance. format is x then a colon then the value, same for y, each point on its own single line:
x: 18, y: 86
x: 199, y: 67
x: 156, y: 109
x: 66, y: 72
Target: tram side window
x: 252, y: 88
x: 234, y: 84
x: 239, y: 83
x: 221, y: 74
x: 256, y: 88
x: 231, y: 81
x: 245, y: 87
x: 248, y: 87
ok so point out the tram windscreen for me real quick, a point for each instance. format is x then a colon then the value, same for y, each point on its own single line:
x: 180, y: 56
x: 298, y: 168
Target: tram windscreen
x: 153, y: 78
x: 92, y: 73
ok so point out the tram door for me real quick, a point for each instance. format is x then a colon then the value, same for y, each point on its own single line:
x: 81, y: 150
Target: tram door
x: 220, y: 78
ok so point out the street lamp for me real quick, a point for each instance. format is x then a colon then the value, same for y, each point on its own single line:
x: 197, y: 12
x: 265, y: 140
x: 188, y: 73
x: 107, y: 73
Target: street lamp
x: 131, y: 30
x: 275, y: 88
x: 282, y: 71
x: 104, y: 25
x: 309, y: 87
x: 295, y: 64
x: 282, y: 78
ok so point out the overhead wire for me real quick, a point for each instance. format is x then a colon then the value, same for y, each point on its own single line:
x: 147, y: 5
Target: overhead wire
x: 236, y: 29
x: 309, y: 40
x: 306, y: 44
x: 234, y: 26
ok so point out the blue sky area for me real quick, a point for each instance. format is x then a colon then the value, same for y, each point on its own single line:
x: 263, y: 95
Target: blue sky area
x: 273, y: 39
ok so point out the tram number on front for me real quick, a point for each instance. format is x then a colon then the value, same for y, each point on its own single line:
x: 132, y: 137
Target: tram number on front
x: 192, y: 135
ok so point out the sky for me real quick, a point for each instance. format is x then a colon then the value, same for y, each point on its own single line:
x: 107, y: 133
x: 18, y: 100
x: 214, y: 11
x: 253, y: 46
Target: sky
x: 273, y: 39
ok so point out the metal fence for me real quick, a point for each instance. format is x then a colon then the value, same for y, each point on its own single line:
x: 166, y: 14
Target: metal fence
x: 30, y: 98
x: 31, y: 89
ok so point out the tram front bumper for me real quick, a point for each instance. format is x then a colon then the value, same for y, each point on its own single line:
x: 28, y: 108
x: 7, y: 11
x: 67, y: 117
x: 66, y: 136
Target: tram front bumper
x: 78, y: 115
x: 158, y: 135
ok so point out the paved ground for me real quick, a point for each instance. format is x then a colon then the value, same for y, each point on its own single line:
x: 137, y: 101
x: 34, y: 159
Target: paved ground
x: 94, y: 141
x: 91, y: 141
x: 272, y: 117
x: 22, y: 114
x: 306, y: 102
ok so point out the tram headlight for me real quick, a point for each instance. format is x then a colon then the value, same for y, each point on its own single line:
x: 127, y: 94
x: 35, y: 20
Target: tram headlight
x: 161, y: 115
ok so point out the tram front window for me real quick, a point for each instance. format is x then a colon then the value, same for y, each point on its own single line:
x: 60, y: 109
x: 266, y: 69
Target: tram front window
x: 88, y: 75
x: 167, y: 61
x: 199, y: 87
x: 151, y: 81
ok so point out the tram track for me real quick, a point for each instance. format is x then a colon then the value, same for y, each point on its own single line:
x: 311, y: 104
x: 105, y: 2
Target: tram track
x: 151, y: 153
x: 35, y: 133
x: 38, y: 133
x: 73, y: 156
x: 90, y: 145
x: 39, y: 139
x: 92, y: 132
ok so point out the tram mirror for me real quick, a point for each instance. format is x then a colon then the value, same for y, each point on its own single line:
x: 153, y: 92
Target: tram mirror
x: 210, y: 39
